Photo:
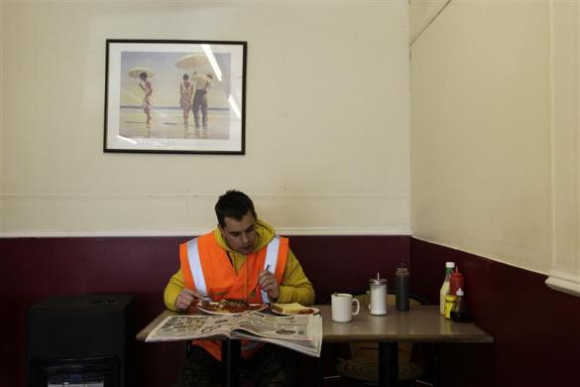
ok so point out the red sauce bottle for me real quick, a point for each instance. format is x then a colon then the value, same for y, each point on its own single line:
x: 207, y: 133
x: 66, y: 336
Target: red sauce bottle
x: 455, y: 281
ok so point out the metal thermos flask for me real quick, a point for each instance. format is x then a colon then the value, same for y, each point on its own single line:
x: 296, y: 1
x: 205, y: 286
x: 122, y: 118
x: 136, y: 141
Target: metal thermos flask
x: 402, y: 288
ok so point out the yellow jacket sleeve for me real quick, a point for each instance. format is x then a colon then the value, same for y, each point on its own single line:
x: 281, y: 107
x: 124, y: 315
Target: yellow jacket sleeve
x: 172, y: 290
x: 295, y: 286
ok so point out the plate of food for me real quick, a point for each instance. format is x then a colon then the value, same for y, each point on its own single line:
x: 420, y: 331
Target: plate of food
x: 292, y: 308
x: 229, y: 306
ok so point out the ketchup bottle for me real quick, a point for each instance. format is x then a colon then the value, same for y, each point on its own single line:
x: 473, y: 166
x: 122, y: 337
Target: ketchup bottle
x: 455, y: 281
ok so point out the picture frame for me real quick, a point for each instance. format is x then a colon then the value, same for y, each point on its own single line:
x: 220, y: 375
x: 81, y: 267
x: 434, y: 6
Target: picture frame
x: 175, y: 96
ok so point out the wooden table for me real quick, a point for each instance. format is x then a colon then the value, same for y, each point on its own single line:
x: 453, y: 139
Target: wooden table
x: 143, y: 333
x: 421, y: 324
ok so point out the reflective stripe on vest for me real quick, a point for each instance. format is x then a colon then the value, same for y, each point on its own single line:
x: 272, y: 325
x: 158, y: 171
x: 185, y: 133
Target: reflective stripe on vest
x: 194, y: 259
x: 195, y: 266
x: 270, y: 262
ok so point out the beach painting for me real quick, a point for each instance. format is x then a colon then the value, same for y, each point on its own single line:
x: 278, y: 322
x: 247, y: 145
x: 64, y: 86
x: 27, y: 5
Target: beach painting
x: 175, y: 96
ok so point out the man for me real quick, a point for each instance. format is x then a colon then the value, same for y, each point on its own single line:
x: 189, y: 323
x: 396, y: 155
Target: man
x: 202, y: 83
x: 241, y: 259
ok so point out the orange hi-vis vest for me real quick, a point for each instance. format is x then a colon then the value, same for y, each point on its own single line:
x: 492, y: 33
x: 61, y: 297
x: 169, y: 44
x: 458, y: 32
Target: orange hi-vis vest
x: 207, y: 269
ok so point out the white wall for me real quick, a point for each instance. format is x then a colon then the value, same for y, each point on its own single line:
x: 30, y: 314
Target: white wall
x: 480, y: 137
x: 565, y: 53
x: 327, y: 105
x: 1, y: 113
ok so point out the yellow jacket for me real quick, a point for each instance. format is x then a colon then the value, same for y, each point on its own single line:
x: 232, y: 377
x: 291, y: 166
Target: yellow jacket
x: 295, y: 286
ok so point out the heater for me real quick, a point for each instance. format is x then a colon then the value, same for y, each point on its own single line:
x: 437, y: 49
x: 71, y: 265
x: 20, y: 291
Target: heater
x: 82, y: 341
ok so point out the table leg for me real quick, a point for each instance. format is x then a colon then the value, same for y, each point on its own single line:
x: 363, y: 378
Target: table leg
x: 436, y: 365
x: 388, y: 363
x: 231, y: 352
x: 319, y: 372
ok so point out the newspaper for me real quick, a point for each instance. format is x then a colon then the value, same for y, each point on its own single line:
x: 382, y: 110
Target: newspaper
x: 302, y: 333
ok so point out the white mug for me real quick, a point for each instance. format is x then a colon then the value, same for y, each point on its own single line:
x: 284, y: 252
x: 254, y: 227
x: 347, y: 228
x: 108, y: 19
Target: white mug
x: 342, y: 305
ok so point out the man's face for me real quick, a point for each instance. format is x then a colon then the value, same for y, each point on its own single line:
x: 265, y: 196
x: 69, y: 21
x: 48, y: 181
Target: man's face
x: 240, y: 235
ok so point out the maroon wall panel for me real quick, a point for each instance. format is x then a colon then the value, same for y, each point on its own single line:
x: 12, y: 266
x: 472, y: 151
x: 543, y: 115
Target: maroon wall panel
x: 35, y: 268
x: 536, y: 329
x: 346, y: 263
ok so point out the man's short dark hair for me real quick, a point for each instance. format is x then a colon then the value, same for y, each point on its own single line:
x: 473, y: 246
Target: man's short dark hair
x: 233, y: 204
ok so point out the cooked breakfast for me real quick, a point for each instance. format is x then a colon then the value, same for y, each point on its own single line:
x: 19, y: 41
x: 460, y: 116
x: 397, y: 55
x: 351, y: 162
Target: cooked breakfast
x: 228, y: 305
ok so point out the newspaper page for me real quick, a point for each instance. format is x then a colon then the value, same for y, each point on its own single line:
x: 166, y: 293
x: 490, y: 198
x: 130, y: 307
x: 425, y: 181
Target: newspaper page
x: 302, y: 333
x: 186, y: 327
x: 294, y: 327
x: 311, y: 344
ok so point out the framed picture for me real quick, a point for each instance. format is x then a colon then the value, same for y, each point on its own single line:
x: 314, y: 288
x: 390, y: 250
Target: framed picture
x: 175, y: 96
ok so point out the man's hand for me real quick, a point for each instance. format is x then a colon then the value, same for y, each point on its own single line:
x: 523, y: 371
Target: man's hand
x: 185, y: 298
x: 269, y: 284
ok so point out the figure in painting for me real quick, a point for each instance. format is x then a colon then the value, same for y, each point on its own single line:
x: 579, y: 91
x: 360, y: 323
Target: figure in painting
x: 202, y: 83
x: 145, y: 85
x: 186, y: 95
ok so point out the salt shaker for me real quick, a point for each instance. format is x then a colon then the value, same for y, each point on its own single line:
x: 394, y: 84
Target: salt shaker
x: 402, y: 288
x: 378, y: 305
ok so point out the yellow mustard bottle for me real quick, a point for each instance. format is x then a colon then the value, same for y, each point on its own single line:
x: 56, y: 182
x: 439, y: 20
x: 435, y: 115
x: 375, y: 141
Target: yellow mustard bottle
x: 449, y: 304
x: 449, y: 266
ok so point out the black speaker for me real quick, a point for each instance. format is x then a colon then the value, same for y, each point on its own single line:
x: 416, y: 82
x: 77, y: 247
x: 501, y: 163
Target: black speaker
x: 82, y: 340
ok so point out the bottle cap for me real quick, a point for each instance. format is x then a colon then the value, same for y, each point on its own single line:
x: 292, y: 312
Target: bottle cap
x: 450, y: 265
x: 402, y: 271
x: 459, y: 292
x: 378, y: 280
